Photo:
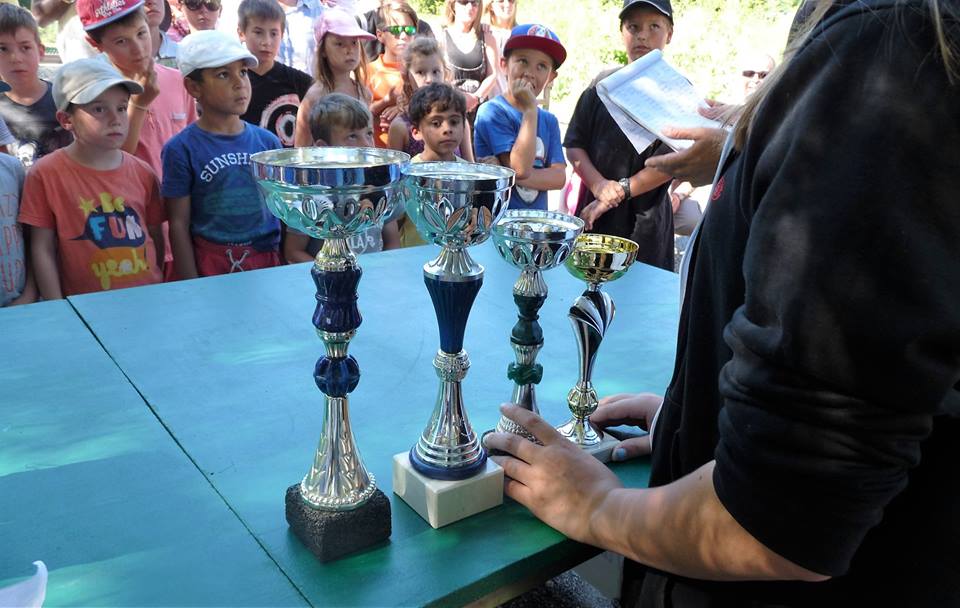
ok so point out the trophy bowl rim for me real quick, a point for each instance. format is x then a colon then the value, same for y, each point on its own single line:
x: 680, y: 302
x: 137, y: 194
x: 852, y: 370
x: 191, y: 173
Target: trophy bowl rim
x: 506, y: 228
x: 625, y: 249
x: 325, y: 167
x: 438, y: 176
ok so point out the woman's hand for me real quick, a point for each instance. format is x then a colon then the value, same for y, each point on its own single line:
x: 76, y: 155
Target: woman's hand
x: 698, y: 163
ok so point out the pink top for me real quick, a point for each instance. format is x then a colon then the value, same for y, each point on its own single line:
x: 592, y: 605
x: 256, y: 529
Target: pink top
x: 170, y: 112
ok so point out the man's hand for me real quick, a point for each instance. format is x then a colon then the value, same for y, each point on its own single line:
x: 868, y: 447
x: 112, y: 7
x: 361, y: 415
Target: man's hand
x: 698, y: 163
x: 637, y: 409
x: 558, y: 481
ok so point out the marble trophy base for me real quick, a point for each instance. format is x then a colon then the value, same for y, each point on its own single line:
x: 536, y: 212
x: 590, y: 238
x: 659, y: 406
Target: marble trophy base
x: 444, y: 502
x: 332, y: 534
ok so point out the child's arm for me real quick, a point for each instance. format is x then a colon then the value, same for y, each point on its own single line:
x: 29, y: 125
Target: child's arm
x: 548, y: 178
x: 466, y: 146
x: 43, y: 254
x: 137, y: 108
x: 301, y: 134
x: 156, y: 233
x: 398, y: 137
x: 520, y: 158
x: 178, y: 212
x: 391, y: 235
x: 29, y: 293
x: 295, y: 247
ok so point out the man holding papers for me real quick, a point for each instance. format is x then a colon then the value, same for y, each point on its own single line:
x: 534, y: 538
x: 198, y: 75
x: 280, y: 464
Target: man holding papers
x: 620, y: 196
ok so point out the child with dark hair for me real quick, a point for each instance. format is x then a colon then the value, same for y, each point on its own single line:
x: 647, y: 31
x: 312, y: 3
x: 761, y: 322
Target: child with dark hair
x: 219, y: 222
x: 277, y: 89
x: 27, y: 107
x: 340, y: 120
x: 438, y: 114
x: 423, y: 64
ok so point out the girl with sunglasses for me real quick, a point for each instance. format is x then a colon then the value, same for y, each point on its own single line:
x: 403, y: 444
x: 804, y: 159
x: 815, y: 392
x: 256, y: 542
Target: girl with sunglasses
x: 471, y: 52
x: 201, y: 14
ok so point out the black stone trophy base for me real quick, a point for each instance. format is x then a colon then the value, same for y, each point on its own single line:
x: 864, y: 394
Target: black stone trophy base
x: 332, y: 534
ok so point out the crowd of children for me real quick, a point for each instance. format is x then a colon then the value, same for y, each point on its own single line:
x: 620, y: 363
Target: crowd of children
x: 119, y: 146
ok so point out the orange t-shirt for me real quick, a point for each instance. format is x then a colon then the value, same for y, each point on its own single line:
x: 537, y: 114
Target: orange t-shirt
x: 100, y: 218
x: 382, y: 77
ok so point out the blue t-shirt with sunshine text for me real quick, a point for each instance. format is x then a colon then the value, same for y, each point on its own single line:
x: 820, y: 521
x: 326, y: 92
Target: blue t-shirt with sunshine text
x: 213, y: 170
x: 497, y: 127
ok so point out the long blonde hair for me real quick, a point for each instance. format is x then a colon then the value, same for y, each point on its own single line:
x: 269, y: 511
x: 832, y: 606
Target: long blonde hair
x: 488, y: 16
x: 325, y: 74
x: 450, y: 17
x: 940, y: 12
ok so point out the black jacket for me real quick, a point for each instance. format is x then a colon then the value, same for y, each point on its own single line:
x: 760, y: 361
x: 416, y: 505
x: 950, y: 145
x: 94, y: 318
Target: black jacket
x: 819, y: 348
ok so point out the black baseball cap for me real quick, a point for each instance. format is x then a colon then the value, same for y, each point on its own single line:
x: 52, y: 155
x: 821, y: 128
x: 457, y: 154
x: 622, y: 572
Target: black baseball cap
x: 661, y: 5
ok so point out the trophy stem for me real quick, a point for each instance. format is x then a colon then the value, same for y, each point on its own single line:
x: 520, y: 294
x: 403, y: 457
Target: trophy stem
x: 529, y: 294
x: 448, y: 447
x: 337, y: 480
x: 590, y: 317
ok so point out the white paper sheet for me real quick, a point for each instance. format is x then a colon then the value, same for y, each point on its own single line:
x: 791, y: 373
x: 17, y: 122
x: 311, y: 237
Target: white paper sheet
x: 652, y: 94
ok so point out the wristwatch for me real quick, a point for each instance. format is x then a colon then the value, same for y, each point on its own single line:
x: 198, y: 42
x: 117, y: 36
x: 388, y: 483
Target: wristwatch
x: 625, y: 184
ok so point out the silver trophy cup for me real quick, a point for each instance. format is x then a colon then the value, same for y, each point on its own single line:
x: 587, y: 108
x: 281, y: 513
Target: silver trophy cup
x: 332, y: 194
x: 454, y: 205
x: 533, y: 241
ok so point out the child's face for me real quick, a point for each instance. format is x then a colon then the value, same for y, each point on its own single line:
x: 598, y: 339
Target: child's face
x: 155, y: 11
x: 201, y: 14
x: 533, y: 66
x: 342, y: 53
x: 128, y: 46
x: 441, y: 132
x: 644, y: 29
x: 225, y: 90
x: 394, y: 44
x: 262, y: 37
x: 102, y: 123
x: 19, y: 57
x: 425, y: 69
x: 353, y: 138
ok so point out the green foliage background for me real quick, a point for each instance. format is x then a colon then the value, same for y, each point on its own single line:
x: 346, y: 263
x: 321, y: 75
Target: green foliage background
x: 709, y: 36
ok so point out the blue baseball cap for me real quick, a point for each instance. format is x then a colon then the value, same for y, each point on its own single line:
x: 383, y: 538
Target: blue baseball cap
x: 4, y: 87
x: 537, y: 37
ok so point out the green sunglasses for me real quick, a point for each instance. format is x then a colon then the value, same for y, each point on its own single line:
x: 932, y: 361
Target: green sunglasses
x: 396, y: 30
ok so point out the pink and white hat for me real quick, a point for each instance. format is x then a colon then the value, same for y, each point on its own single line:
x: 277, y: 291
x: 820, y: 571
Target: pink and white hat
x: 341, y: 23
x: 97, y: 13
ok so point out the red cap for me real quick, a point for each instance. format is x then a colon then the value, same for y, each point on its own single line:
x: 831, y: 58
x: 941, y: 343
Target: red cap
x: 97, y: 13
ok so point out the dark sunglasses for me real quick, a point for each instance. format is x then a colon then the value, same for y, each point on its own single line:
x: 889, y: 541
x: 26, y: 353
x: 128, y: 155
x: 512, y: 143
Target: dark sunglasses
x: 752, y: 73
x: 396, y: 30
x: 467, y: 1
x: 210, y: 5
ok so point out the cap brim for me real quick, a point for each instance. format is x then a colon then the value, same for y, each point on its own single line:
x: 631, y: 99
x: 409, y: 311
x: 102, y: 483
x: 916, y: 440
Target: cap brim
x: 549, y: 46
x: 96, y: 88
x: 637, y: 3
x: 353, y: 33
x: 218, y: 62
x: 113, y: 18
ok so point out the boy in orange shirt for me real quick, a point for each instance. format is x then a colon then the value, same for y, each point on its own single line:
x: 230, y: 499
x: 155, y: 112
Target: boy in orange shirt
x: 396, y: 26
x: 94, y: 210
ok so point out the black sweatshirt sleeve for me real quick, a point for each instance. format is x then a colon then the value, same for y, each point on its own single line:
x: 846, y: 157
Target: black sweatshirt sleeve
x: 848, y: 342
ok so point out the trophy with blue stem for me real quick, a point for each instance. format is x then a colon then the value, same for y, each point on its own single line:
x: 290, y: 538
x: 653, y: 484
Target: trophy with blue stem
x: 332, y: 194
x: 446, y: 475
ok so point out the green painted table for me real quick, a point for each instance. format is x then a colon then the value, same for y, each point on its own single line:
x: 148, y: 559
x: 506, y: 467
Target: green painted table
x: 226, y: 363
x: 92, y: 484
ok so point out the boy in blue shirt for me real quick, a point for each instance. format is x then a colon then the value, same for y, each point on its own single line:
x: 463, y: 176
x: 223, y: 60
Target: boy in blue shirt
x: 219, y: 222
x: 513, y: 129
